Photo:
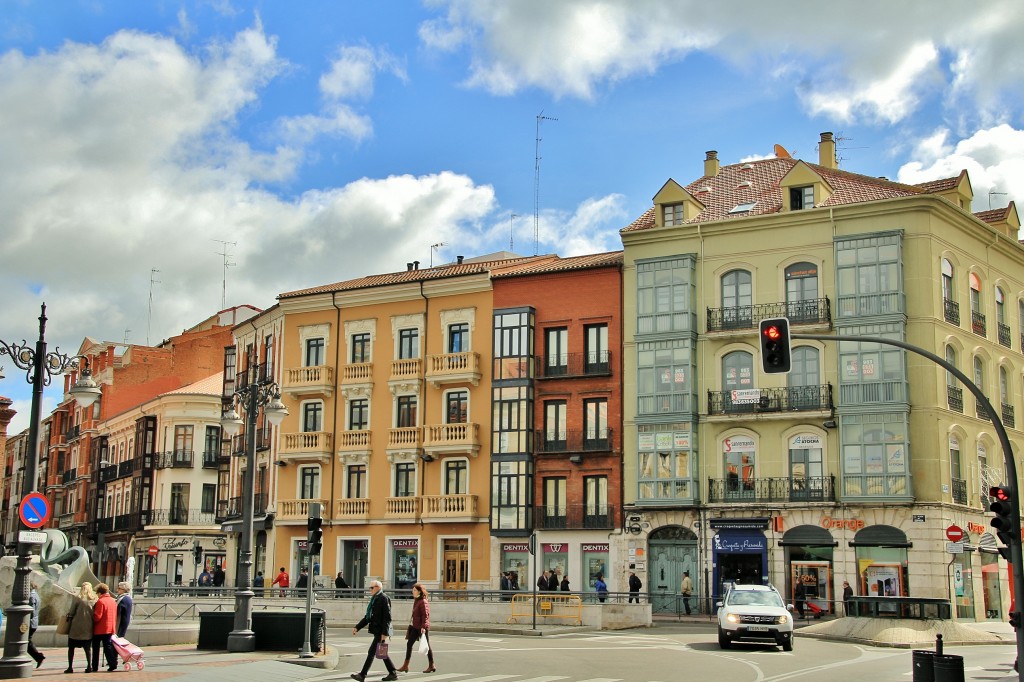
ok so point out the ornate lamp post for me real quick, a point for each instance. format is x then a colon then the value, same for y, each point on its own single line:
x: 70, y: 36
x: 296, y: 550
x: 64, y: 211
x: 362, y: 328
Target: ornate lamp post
x: 40, y: 366
x: 253, y: 393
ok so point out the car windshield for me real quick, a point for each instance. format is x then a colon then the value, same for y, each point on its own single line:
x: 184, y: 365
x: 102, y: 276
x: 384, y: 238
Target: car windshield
x: 754, y: 598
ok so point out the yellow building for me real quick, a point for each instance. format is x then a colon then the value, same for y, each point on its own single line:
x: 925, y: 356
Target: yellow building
x: 853, y: 465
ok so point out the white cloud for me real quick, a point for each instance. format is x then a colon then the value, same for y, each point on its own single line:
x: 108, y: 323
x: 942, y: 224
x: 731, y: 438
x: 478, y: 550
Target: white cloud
x: 352, y: 72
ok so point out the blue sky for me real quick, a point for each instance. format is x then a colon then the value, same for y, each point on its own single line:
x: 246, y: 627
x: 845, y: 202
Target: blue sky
x: 329, y: 140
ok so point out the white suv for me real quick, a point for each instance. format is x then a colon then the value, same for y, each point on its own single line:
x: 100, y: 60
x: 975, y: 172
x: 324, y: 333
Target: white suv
x: 755, y: 612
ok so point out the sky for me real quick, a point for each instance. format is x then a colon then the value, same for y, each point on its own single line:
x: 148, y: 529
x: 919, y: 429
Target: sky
x: 160, y: 160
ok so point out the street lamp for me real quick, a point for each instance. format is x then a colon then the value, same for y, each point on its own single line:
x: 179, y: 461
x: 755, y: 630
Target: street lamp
x: 253, y: 393
x: 40, y: 366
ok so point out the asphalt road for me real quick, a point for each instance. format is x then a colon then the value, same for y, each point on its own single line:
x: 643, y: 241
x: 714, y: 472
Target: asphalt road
x: 662, y: 654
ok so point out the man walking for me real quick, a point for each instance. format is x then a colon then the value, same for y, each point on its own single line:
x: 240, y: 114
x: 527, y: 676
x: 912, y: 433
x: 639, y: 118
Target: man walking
x: 634, y: 588
x: 282, y: 580
x: 686, y: 587
x: 378, y: 618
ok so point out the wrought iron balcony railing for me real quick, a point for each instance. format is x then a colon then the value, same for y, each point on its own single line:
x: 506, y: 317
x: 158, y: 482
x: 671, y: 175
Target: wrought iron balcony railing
x: 69, y: 476
x: 959, y: 491
x: 980, y: 411
x: 1004, y: 334
x: 814, y: 311
x: 575, y: 516
x: 951, y: 311
x: 174, y: 459
x: 978, y: 325
x: 210, y: 459
x: 181, y: 517
x: 1006, y: 412
x: 573, y: 441
x: 955, y: 398
x: 566, y: 365
x: 736, y: 489
x: 769, y: 400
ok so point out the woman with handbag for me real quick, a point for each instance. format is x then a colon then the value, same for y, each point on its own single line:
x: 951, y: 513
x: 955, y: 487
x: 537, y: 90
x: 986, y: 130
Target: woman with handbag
x: 79, y: 632
x: 419, y: 629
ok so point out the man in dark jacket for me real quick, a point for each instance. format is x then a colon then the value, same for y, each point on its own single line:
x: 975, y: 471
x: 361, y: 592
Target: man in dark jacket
x: 303, y: 579
x: 542, y: 582
x: 553, y: 582
x: 634, y: 588
x: 378, y: 618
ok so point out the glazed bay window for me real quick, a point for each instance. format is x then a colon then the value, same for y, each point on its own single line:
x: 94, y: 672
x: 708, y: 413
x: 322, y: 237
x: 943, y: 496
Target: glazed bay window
x: 868, y: 276
x: 513, y: 344
x: 405, y: 479
x: 511, y: 482
x: 665, y: 295
x: 874, y: 456
x: 664, y: 463
x: 872, y: 372
x: 665, y: 377
x: 512, y: 407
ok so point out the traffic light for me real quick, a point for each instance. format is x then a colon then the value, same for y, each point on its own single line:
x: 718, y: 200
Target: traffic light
x: 314, y: 540
x: 775, y: 346
x: 1002, y: 506
x: 197, y: 554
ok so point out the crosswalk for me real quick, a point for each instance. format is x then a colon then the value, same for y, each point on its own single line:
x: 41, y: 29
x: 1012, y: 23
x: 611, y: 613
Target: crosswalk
x: 469, y: 677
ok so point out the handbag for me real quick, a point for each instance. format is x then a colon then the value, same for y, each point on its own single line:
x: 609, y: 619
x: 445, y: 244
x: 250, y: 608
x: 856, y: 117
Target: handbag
x: 64, y: 625
x: 382, y: 649
x: 424, y: 646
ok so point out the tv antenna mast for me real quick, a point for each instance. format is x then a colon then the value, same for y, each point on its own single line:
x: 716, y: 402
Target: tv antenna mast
x: 536, y: 184
x: 149, y: 319
x: 227, y: 264
x: 433, y: 248
x: 993, y: 192
x: 511, y: 243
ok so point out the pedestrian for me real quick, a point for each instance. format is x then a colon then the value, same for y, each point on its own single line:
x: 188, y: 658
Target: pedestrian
x: 686, y: 588
x: 205, y: 579
x: 513, y: 580
x: 542, y: 582
x: 104, y: 618
x: 124, y: 608
x: 258, y: 583
x: 303, y: 581
x: 800, y: 595
x: 420, y: 627
x: 80, y: 632
x: 33, y: 600
x: 634, y: 588
x: 564, y: 585
x: 505, y: 586
x: 601, y: 587
x: 553, y: 581
x: 218, y: 578
x: 847, y: 598
x: 282, y: 580
x: 378, y: 621
x: 339, y: 582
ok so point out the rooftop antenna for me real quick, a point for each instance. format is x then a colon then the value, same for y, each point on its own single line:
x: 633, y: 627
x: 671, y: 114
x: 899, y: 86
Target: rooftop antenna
x: 227, y: 264
x: 536, y: 184
x: 433, y: 248
x: 840, y: 147
x: 126, y: 332
x: 511, y: 244
x: 149, y: 319
x: 990, y: 193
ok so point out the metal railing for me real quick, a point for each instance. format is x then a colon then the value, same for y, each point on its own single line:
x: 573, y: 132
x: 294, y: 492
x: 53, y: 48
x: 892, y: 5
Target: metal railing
x: 174, y: 459
x: 181, y: 517
x: 573, y: 441
x: 792, y: 399
x: 575, y: 516
x: 565, y: 365
x: 951, y: 311
x: 735, y: 489
x: 978, y: 324
x: 955, y: 398
x: 1004, y: 334
x: 1007, y: 414
x: 814, y: 311
x: 959, y: 490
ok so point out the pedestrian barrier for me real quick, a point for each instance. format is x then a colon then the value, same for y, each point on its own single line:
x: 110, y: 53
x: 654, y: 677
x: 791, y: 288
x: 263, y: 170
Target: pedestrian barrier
x: 551, y: 606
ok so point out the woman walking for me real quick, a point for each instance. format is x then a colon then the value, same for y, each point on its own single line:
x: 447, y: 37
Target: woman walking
x: 420, y: 627
x: 80, y: 632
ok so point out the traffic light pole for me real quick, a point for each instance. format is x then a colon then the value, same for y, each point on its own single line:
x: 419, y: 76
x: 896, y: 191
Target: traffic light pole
x: 1010, y: 466
x: 314, y: 537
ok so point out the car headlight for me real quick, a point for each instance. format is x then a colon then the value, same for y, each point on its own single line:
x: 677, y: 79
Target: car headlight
x: 782, y: 620
x: 732, y: 618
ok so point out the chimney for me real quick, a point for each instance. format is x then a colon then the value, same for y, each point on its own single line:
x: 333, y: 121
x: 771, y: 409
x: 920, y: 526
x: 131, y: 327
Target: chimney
x: 408, y: 267
x: 415, y: 265
x: 711, y: 164
x: 459, y: 259
x: 827, y: 151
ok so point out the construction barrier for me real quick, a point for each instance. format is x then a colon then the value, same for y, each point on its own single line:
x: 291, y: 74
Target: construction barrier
x: 549, y: 605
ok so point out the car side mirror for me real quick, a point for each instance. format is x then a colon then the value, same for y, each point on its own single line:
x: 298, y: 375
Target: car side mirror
x: 720, y: 604
x: 789, y: 607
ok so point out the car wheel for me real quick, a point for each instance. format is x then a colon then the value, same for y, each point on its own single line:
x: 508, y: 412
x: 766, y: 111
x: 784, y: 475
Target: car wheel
x: 723, y: 641
x: 788, y: 645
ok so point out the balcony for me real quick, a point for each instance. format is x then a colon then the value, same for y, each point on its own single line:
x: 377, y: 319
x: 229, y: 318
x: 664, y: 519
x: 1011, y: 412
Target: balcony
x: 352, y: 509
x: 406, y: 375
x: 1006, y: 413
x: 771, y: 400
x: 810, y: 312
x: 978, y: 325
x: 132, y: 522
x: 108, y: 473
x: 445, y: 438
x: 575, y: 517
x: 69, y: 476
x: 232, y: 508
x: 357, y: 380
x: 66, y: 520
x: 980, y: 412
x: 448, y: 508
x: 181, y: 517
x: 295, y: 510
x: 405, y: 439
x: 72, y: 433
x: 1004, y: 334
x: 306, y: 444
x: 667, y: 403
x: 302, y: 381
x: 575, y: 365
x: 572, y: 441
x: 453, y: 368
x: 210, y: 459
x: 734, y: 489
x: 402, y: 508
x: 125, y: 468
x: 955, y: 398
x: 873, y: 392
x: 951, y: 311
x: 174, y: 459
x: 959, y: 491
x: 354, y: 441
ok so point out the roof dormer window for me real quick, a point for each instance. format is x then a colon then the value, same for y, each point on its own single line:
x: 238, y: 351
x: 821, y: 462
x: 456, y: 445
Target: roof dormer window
x: 743, y: 208
x: 801, y: 198
x: 674, y: 214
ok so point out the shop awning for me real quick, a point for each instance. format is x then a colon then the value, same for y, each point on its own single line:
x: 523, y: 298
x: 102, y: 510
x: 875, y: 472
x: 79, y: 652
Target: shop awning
x: 881, y: 536
x: 808, y: 536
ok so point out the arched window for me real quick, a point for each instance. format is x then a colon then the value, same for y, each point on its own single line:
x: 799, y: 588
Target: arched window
x: 1004, y: 387
x: 737, y: 299
x: 979, y: 373
x: 951, y: 379
x: 737, y: 374
x: 948, y: 288
x: 977, y: 312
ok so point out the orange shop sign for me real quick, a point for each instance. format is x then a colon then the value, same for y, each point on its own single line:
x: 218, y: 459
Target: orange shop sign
x: 849, y: 524
x: 975, y: 528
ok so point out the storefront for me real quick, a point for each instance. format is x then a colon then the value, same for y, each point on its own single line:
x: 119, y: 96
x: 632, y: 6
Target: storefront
x: 404, y: 564
x: 809, y: 552
x: 739, y: 552
x: 515, y: 559
x: 595, y: 563
x: 882, y: 566
x: 555, y: 557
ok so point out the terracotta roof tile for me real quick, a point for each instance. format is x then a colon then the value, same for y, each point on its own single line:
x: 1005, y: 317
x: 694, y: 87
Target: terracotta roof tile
x: 211, y: 385
x: 556, y: 264
x: 939, y: 185
x: 994, y: 215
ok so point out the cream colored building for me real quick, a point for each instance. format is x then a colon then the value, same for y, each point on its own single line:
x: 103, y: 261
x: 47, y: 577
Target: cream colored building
x: 853, y: 465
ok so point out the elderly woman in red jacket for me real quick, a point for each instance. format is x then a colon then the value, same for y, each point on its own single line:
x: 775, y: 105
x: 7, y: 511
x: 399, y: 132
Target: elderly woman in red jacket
x: 420, y: 627
x: 104, y: 620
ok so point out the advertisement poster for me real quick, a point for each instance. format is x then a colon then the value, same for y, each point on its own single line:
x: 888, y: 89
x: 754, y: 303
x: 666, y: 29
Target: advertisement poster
x: 883, y: 580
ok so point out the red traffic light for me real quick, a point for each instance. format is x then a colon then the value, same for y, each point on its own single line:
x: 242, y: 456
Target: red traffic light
x: 1000, y: 493
x: 772, y: 332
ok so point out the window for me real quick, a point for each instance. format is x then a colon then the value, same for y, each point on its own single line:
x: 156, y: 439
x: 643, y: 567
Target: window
x: 948, y: 287
x: 979, y: 373
x: 406, y: 411
x: 408, y: 344
x: 872, y: 363
x: 358, y: 414
x: 211, y: 445
x: 556, y: 347
x: 665, y: 295
x: 554, y: 426
x: 360, y: 348
x: 183, y: 442
x: 737, y: 299
x: 975, y: 294
x: 511, y: 482
x: 596, y: 348
x: 663, y: 465
x: 739, y: 469
x: 209, y: 498
x: 595, y: 502
x: 802, y: 293
x: 456, y: 477
x: 309, y: 483
x: 744, y: 207
x: 268, y: 356
x: 230, y: 369
x: 801, y: 198
x: 665, y: 376
x: 554, y: 503
x: 954, y: 458
x: 1004, y: 386
x: 511, y: 424
x: 868, y: 276
x: 673, y: 214
x: 314, y: 352
x: 874, y: 455
x: 179, y: 504
x: 513, y: 345
x: 951, y: 380
x: 806, y: 472
x: 458, y: 337
x: 405, y: 479
x: 312, y: 417
x: 804, y: 380
x: 456, y: 407
x: 356, y: 481
x: 595, y: 424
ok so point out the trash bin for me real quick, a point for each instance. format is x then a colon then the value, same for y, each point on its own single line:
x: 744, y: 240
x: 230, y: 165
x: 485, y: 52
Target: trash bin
x: 923, y: 668
x: 948, y: 668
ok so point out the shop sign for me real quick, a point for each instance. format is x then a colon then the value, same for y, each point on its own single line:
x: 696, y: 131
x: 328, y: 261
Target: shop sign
x: 682, y: 440
x: 219, y: 541
x: 646, y: 441
x: 848, y: 524
x: 177, y: 542
x: 515, y: 547
x: 739, y: 444
x: 805, y: 441
x: 976, y: 528
x: 602, y: 547
x: 556, y: 548
x: 406, y: 544
x: 738, y: 543
x: 755, y: 523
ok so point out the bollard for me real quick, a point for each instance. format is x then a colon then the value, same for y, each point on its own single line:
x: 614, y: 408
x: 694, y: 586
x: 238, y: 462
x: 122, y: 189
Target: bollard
x: 923, y: 669
x: 938, y: 644
x: 948, y: 668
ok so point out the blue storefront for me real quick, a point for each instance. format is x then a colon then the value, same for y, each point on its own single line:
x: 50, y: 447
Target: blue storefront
x: 739, y: 552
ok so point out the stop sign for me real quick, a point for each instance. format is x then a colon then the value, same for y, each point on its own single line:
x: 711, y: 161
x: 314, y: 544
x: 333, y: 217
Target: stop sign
x: 955, y: 533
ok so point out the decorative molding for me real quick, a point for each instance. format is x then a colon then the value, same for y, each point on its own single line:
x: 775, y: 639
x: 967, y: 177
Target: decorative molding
x: 396, y: 456
x: 354, y: 391
x: 456, y: 315
x: 367, y: 326
x: 406, y: 387
x: 315, y: 331
x: 354, y: 457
